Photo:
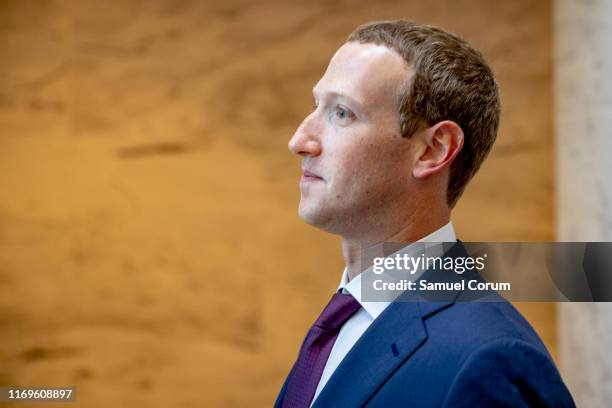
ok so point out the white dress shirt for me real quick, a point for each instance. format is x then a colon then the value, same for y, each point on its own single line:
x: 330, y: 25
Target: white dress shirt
x: 354, y: 327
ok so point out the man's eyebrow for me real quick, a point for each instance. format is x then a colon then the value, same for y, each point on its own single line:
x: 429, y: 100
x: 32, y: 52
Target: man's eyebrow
x: 334, y: 94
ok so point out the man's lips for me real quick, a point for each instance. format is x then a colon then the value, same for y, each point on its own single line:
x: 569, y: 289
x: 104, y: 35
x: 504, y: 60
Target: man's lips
x: 310, y: 176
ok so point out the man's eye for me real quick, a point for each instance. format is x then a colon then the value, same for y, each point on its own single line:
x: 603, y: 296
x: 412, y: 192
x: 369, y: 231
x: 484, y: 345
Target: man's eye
x: 343, y: 113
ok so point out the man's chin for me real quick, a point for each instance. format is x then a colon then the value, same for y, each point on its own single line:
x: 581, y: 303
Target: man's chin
x: 309, y: 216
x: 317, y: 218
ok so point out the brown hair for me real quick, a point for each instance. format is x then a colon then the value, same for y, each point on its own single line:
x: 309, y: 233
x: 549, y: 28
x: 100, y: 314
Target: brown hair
x: 451, y: 81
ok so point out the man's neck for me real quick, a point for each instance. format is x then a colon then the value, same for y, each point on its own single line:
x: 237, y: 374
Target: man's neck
x: 352, y: 249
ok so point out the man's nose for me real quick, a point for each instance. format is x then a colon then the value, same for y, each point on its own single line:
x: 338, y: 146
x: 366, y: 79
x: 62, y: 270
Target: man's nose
x: 306, y: 140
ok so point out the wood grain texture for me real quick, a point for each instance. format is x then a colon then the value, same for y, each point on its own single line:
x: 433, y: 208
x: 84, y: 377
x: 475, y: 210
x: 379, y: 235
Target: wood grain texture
x: 150, y: 251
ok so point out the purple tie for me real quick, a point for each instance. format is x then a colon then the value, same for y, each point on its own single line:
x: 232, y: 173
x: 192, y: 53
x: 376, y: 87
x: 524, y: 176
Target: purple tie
x: 309, y: 366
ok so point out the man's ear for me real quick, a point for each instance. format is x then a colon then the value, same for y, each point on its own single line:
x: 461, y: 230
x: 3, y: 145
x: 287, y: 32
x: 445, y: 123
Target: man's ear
x: 438, y: 146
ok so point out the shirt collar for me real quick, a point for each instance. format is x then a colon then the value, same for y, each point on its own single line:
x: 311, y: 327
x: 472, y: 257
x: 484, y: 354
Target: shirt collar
x: 374, y: 309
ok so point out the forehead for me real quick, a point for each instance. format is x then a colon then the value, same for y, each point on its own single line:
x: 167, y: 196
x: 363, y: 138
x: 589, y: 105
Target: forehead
x: 369, y: 73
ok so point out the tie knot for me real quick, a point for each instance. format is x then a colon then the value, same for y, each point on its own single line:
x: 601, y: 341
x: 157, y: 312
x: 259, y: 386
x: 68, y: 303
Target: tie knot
x: 339, y: 309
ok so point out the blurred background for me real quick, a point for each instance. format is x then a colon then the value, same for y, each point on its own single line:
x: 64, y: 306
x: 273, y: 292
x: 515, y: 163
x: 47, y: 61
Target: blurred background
x: 150, y: 250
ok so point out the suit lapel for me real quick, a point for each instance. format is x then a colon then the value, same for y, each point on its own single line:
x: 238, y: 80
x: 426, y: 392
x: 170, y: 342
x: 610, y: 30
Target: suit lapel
x: 388, y: 342
x: 391, y: 339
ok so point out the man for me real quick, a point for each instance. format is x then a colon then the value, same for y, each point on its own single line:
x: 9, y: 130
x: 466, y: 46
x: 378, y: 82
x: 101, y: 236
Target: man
x: 404, y: 116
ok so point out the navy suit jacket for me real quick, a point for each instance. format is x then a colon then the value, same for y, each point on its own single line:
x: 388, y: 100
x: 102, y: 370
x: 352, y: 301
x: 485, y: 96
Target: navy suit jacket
x: 449, y: 353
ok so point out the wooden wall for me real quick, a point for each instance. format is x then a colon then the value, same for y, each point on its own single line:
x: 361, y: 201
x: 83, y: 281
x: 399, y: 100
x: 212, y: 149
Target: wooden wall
x: 150, y: 251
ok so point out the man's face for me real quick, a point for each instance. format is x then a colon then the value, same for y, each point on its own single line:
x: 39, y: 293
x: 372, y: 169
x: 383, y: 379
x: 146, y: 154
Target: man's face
x: 356, y: 166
